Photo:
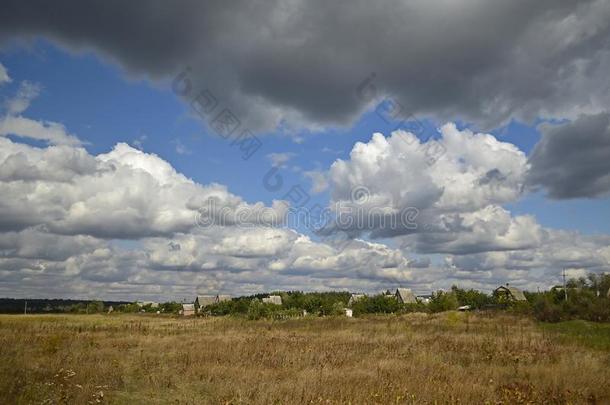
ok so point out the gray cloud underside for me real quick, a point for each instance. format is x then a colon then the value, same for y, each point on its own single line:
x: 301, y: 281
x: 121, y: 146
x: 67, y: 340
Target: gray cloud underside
x: 299, y: 62
x: 573, y: 160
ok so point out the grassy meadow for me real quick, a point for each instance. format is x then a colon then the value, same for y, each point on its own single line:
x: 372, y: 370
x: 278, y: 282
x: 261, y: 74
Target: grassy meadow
x: 417, y: 358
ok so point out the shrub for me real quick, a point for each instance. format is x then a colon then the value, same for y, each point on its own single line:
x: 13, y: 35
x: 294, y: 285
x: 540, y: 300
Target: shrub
x: 582, y: 303
x: 475, y: 299
x: 170, y: 307
x: 378, y: 304
x: 443, y: 301
x: 417, y: 307
x: 259, y: 310
x: 546, y: 310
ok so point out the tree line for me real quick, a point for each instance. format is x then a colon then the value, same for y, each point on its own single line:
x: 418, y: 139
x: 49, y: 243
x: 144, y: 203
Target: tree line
x: 587, y: 298
x: 583, y: 298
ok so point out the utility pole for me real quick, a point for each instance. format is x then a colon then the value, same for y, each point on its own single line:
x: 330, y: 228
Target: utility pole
x: 565, y: 289
x: 25, y: 308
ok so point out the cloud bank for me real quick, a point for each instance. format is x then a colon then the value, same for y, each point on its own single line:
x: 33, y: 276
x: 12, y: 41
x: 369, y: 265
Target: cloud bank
x: 299, y: 63
x: 124, y: 223
x: 571, y: 160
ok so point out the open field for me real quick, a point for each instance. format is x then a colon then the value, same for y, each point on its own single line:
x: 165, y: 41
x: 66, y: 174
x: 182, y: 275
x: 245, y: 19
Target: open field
x: 449, y: 357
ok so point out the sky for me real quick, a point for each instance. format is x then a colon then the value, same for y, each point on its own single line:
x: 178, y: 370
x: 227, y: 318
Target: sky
x: 157, y: 151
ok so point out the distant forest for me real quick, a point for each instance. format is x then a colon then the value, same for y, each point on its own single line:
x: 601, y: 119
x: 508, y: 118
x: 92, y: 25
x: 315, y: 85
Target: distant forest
x: 42, y: 306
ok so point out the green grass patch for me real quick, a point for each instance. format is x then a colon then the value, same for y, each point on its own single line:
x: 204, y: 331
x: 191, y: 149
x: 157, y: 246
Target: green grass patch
x: 590, y: 334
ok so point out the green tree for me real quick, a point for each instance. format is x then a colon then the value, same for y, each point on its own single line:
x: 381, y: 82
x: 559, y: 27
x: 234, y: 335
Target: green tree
x: 377, y: 304
x: 475, y: 299
x: 95, y: 307
x: 171, y: 307
x: 443, y: 301
x: 259, y: 310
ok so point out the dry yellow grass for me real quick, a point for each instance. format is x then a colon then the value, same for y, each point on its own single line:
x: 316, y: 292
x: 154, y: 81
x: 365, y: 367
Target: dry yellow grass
x: 445, y: 358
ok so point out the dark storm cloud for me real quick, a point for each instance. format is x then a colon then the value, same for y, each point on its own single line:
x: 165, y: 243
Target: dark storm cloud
x: 299, y: 62
x: 573, y: 160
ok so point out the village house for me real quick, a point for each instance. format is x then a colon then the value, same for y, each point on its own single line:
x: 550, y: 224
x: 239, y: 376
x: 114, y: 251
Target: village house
x: 273, y: 299
x: 509, y: 293
x: 405, y: 296
x: 354, y: 298
x: 188, y: 309
x: 202, y: 301
x: 145, y: 303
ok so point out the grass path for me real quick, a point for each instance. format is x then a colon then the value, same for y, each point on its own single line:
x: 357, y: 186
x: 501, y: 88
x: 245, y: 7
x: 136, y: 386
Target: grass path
x: 590, y: 334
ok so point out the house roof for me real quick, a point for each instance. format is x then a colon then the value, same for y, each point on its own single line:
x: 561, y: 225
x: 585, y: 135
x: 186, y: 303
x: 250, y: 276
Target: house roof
x: 144, y: 303
x: 514, y: 292
x: 221, y: 298
x: 204, y: 300
x: 405, y: 296
x: 355, y: 297
x: 273, y: 299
